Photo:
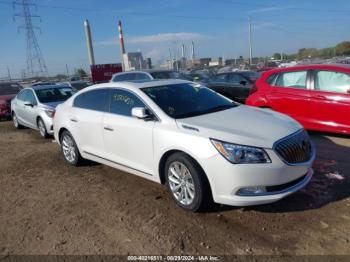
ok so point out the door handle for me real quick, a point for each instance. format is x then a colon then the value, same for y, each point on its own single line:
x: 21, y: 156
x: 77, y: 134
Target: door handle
x: 73, y: 119
x: 108, y: 128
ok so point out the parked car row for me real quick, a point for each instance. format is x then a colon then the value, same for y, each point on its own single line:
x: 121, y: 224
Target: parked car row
x: 203, y: 146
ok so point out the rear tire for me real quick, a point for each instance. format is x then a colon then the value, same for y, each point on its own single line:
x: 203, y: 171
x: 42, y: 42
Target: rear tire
x: 42, y: 128
x: 70, y: 150
x: 16, y: 122
x: 186, y: 183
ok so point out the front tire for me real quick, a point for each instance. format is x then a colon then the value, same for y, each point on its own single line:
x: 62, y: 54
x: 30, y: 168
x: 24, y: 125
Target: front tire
x: 42, y: 128
x: 186, y: 182
x: 70, y: 150
x: 16, y: 122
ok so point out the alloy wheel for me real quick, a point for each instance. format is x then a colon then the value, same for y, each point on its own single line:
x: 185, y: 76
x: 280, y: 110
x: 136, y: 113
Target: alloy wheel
x: 15, y: 120
x: 68, y: 147
x: 181, y: 183
x: 42, y: 128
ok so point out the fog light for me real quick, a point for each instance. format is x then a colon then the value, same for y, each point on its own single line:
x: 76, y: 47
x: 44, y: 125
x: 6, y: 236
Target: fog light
x: 252, y: 191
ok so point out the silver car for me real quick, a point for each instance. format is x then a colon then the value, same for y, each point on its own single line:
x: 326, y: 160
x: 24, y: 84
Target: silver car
x: 34, y: 107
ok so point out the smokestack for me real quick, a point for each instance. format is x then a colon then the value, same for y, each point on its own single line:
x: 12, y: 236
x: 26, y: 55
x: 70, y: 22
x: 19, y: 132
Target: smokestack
x: 121, y: 43
x: 89, y: 42
x: 183, y: 51
x: 193, y: 56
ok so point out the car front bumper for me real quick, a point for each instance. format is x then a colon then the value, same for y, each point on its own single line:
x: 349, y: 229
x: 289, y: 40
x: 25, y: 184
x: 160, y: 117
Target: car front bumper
x: 277, y: 178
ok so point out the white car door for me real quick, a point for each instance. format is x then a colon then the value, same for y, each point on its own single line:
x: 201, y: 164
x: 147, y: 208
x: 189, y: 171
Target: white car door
x: 86, y: 117
x: 30, y: 109
x: 19, y: 105
x: 128, y: 140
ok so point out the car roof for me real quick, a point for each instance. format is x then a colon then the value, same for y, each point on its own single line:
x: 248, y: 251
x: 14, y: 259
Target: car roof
x: 139, y: 84
x: 311, y: 66
x: 144, y: 71
x: 48, y: 86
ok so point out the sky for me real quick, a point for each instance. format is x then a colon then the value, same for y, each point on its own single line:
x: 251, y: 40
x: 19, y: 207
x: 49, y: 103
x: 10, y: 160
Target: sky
x: 217, y: 27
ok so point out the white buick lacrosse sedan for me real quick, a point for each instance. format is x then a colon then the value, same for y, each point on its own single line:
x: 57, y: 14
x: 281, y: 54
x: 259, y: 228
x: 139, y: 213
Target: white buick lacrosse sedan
x: 202, y: 146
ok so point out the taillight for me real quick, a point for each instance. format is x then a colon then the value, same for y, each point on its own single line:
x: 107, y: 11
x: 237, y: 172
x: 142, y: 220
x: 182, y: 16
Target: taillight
x: 253, y: 89
x: 53, y: 114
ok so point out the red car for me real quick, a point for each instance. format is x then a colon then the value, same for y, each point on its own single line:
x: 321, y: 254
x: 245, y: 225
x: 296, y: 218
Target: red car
x: 8, y: 90
x: 318, y: 96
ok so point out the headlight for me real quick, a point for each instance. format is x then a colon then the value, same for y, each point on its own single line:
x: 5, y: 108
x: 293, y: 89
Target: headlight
x: 239, y: 154
x: 50, y: 113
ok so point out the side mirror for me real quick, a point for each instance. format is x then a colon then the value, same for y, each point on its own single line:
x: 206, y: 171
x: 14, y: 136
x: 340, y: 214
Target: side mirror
x: 243, y: 83
x: 27, y: 103
x: 139, y: 112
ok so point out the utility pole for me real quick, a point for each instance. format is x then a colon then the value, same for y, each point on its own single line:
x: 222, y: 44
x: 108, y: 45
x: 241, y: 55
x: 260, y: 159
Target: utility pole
x: 8, y: 73
x: 250, y: 42
x: 170, y: 59
x: 35, y: 61
x: 67, y: 71
x: 176, y: 63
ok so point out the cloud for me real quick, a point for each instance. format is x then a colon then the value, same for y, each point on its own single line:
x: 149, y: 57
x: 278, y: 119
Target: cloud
x: 158, y: 38
x: 166, y: 37
x: 269, y: 9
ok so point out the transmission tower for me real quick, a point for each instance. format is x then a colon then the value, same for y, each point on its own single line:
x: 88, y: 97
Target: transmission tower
x: 35, y: 61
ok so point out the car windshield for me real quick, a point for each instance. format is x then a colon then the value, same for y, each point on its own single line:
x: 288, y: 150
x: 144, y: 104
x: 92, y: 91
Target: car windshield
x: 187, y: 100
x: 54, y: 94
x: 167, y: 75
x: 9, y: 88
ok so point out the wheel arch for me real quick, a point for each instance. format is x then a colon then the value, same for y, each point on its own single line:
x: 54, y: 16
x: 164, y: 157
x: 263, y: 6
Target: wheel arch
x: 167, y: 154
x: 60, y: 132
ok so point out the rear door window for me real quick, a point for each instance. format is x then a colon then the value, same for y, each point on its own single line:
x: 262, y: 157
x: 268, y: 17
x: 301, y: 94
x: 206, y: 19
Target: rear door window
x: 141, y: 76
x: 332, y: 81
x: 236, y: 79
x: 295, y: 79
x: 22, y: 95
x: 96, y: 100
x: 122, y: 101
x: 222, y: 78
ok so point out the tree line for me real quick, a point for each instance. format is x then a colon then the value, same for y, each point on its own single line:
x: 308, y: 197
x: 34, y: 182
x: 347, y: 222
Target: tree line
x: 341, y: 49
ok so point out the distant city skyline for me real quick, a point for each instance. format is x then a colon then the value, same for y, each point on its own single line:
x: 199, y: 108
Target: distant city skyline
x: 218, y: 28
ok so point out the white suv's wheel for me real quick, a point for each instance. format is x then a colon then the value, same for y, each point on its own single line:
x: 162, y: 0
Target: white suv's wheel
x: 186, y: 182
x: 70, y: 150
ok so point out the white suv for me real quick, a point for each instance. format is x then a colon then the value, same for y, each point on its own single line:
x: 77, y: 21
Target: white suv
x: 201, y: 145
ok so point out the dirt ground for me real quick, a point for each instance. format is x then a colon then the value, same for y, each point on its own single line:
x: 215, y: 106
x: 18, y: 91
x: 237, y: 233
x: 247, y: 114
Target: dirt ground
x: 48, y: 207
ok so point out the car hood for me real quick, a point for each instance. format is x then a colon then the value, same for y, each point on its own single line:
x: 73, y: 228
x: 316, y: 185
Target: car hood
x: 243, y: 125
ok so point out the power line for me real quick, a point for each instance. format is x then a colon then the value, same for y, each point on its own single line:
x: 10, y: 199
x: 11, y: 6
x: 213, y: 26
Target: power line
x: 35, y: 61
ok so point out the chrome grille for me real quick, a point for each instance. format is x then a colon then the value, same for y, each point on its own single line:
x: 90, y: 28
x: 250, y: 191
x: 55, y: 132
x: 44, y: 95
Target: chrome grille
x: 294, y: 149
